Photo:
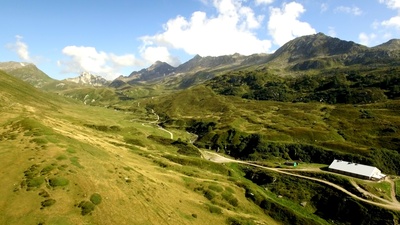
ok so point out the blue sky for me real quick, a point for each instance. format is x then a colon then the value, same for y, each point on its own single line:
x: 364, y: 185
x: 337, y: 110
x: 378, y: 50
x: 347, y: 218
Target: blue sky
x: 112, y: 38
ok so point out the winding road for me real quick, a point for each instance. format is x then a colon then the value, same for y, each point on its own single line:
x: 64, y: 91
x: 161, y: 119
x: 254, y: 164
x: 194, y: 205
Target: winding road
x: 158, y: 126
x: 214, y: 157
x: 392, y: 205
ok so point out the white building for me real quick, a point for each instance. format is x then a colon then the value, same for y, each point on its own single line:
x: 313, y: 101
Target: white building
x: 356, y: 170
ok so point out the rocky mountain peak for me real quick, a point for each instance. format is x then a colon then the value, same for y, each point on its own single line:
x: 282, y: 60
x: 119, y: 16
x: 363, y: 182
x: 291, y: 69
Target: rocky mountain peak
x: 160, y: 66
x: 87, y: 78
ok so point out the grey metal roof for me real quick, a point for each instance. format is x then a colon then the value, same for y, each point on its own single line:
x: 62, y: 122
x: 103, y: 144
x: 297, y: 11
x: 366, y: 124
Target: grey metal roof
x: 354, y: 168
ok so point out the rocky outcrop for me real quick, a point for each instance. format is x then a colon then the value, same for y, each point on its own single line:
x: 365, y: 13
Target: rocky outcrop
x: 87, y: 78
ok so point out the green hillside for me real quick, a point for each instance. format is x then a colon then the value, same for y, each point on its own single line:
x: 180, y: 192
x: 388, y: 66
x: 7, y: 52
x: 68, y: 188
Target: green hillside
x: 27, y: 72
x: 66, y: 163
x: 366, y: 128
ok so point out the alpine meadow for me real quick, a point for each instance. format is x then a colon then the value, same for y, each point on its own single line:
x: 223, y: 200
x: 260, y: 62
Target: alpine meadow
x: 232, y: 139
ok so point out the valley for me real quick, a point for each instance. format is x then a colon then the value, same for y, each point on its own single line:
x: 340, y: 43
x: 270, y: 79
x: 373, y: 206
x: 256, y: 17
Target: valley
x: 206, y: 142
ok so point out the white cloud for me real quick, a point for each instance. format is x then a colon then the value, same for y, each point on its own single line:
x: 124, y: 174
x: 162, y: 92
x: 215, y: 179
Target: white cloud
x: 392, y: 22
x: 331, y: 31
x: 350, y: 10
x: 124, y: 60
x: 367, y: 39
x: 392, y: 4
x: 108, y: 65
x: 230, y: 31
x: 21, y: 48
x: 284, y: 24
x: 266, y: 2
x: 152, y: 54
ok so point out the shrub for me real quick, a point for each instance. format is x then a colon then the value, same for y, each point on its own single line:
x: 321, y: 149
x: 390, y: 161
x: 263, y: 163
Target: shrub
x: 35, y: 182
x: 215, y: 187
x: 86, y: 207
x: 134, y: 142
x: 230, y: 198
x: 40, y: 141
x: 103, y: 128
x: 47, y: 170
x: 209, y: 194
x: 95, y: 198
x: 58, y: 181
x: 239, y: 221
x: 214, y: 209
x: 71, y: 150
x: 61, y: 157
x: 48, y: 202
x: 186, y: 149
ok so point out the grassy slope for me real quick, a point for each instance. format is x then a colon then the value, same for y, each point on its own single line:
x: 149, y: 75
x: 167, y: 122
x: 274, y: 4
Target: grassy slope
x: 48, y: 141
x: 339, y: 127
x: 31, y: 74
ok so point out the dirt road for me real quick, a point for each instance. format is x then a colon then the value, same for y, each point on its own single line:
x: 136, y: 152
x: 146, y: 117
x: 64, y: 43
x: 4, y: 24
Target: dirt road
x: 384, y: 203
x: 155, y: 122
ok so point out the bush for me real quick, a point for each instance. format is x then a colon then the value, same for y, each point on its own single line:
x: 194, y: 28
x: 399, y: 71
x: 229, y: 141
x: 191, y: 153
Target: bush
x: 40, y: 141
x: 35, y: 182
x: 209, y: 194
x: 47, y: 169
x: 103, y: 128
x: 134, y: 142
x: 61, y: 157
x: 95, y: 198
x: 48, y: 202
x: 214, y: 209
x: 230, y: 198
x: 58, y: 181
x: 87, y: 207
x: 239, y: 221
x: 186, y: 149
x: 215, y: 187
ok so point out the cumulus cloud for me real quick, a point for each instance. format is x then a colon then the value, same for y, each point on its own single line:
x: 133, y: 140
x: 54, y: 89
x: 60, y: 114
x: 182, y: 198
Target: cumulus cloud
x: 392, y: 4
x: 367, y: 39
x: 21, y: 48
x: 230, y: 31
x: 284, y: 23
x: 108, y: 65
x: 152, y: 54
x: 266, y: 2
x: 350, y: 10
x: 393, y: 22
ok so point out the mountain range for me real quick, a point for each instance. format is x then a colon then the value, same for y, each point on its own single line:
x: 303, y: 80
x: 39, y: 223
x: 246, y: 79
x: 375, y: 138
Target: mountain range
x: 316, y: 51
x: 211, y: 141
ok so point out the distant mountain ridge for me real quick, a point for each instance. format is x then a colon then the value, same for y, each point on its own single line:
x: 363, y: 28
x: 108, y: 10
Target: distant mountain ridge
x: 27, y: 72
x: 315, y: 51
x: 317, y: 45
x: 160, y: 70
x: 393, y: 44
